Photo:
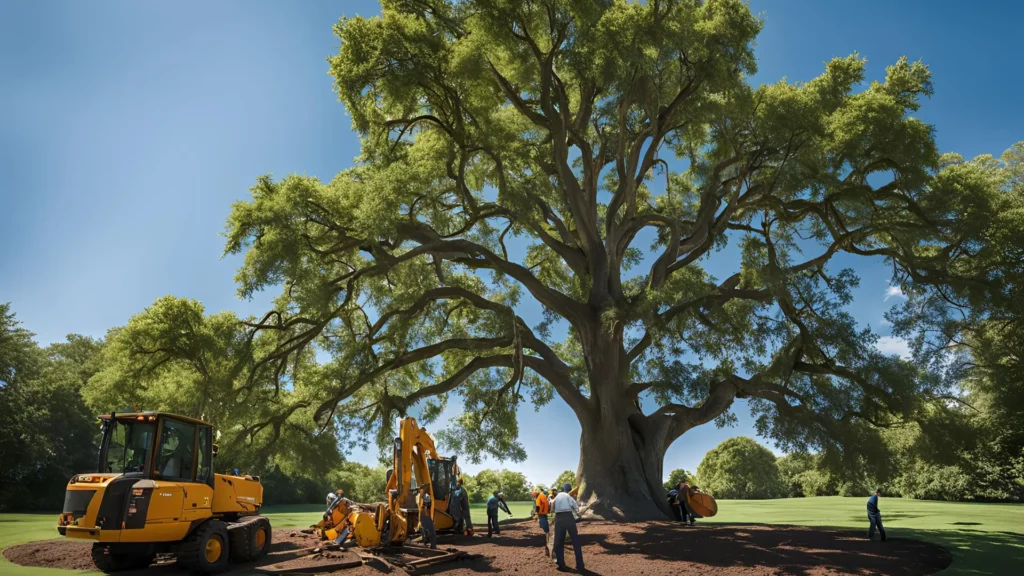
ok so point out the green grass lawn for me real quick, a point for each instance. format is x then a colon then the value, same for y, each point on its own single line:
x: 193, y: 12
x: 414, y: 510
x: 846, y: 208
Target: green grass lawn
x: 984, y: 538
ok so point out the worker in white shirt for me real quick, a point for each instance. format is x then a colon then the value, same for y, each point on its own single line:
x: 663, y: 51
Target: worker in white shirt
x: 566, y: 510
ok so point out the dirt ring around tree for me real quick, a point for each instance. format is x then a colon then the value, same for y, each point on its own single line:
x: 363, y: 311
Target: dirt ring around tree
x: 652, y: 548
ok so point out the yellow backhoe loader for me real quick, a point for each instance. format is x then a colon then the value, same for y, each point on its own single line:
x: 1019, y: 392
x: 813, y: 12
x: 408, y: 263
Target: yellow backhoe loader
x: 155, y: 492
x: 415, y: 462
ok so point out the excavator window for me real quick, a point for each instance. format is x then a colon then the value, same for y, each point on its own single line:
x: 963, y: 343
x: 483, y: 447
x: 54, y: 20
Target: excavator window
x: 440, y: 477
x: 177, y: 443
x: 126, y: 446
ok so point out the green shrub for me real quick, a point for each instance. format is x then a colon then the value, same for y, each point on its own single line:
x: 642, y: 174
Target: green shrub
x: 741, y: 468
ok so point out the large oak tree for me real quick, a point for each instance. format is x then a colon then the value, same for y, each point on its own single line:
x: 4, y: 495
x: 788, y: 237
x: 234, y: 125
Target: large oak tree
x: 594, y: 156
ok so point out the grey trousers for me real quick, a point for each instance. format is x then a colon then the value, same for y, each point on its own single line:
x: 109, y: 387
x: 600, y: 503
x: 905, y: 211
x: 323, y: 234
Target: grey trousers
x: 565, y: 523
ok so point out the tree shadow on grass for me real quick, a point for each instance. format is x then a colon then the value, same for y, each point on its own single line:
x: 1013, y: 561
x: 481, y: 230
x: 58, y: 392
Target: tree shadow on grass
x: 977, y: 552
x: 789, y: 549
x: 886, y: 517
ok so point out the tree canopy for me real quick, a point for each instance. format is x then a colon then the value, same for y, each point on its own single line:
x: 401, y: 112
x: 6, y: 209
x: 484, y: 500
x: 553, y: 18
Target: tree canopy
x: 48, y: 435
x: 592, y: 157
x: 174, y: 357
x: 566, y: 477
x: 741, y: 468
x: 487, y: 482
x: 679, y: 475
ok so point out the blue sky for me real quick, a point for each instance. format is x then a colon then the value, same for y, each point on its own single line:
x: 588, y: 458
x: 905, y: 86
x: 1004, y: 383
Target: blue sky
x: 128, y: 129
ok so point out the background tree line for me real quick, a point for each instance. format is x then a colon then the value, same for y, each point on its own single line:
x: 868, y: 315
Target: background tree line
x: 174, y: 357
x: 740, y: 468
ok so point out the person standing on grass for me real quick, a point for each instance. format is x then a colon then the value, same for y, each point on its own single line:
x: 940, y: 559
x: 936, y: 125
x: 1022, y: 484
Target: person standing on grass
x: 875, y: 516
x: 496, y: 501
x: 540, y: 509
x: 566, y: 510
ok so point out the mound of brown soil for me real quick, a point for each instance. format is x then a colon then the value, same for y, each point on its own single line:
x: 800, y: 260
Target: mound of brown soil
x: 652, y: 548
x: 77, y: 555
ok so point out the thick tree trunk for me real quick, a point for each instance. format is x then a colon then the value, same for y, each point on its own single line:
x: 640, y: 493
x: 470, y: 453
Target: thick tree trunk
x: 620, y: 470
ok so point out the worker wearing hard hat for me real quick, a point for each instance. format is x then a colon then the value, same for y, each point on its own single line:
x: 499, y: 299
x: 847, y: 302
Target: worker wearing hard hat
x: 541, y: 507
x: 566, y: 511
x: 425, y: 504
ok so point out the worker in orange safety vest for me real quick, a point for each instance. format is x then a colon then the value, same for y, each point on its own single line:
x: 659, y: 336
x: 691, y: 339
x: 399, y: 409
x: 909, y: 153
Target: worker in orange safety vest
x: 541, y: 507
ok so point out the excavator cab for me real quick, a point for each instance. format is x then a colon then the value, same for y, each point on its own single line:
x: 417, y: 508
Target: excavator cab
x: 443, y: 474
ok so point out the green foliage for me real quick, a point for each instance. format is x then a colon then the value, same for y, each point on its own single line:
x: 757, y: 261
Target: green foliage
x: 971, y: 331
x: 807, y: 475
x: 48, y: 434
x: 741, y: 468
x: 551, y: 122
x: 566, y: 477
x: 174, y: 357
x: 679, y: 475
x: 486, y: 482
x: 360, y: 483
x: 18, y: 353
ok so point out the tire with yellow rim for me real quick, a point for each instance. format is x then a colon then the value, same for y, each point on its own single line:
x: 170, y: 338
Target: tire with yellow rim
x: 207, y: 549
x: 250, y: 538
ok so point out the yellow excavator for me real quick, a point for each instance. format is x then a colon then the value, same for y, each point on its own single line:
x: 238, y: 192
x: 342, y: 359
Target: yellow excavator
x: 415, y: 462
x: 155, y: 492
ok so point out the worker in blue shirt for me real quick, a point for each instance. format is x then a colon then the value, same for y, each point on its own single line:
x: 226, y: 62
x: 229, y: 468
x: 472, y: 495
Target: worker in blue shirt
x: 496, y: 501
x: 875, y: 516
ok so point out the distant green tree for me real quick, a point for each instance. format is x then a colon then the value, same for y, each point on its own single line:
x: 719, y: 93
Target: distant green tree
x: 977, y: 471
x: 678, y: 475
x: 514, y: 485
x: 541, y: 488
x: 473, y: 489
x: 806, y: 474
x: 174, y: 357
x: 48, y: 434
x: 359, y: 481
x: 19, y: 354
x: 567, y: 477
x: 792, y: 468
x: 487, y: 482
x: 741, y: 468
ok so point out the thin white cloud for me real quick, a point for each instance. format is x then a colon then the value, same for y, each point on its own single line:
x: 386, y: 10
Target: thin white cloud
x: 894, y: 292
x: 884, y: 322
x: 894, y: 345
